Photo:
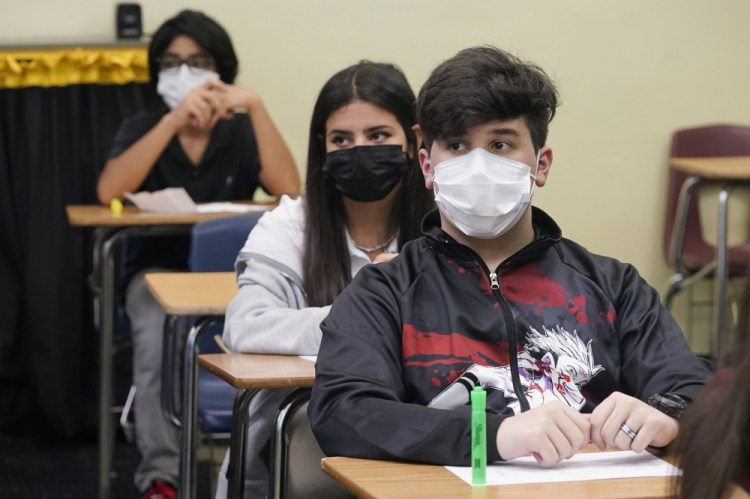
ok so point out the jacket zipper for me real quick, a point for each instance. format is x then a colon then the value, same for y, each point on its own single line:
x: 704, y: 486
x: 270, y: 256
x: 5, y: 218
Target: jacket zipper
x: 509, y: 326
x: 512, y: 341
x: 494, y: 284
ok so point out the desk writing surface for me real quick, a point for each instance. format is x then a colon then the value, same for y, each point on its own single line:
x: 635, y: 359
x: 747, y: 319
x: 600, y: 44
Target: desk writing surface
x: 388, y: 479
x: 102, y: 216
x: 254, y: 371
x: 715, y: 168
x: 193, y: 293
x: 370, y: 478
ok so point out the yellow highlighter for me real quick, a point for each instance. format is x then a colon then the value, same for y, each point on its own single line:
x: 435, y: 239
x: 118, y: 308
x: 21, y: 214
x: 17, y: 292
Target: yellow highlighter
x: 116, y: 206
x: 478, y: 436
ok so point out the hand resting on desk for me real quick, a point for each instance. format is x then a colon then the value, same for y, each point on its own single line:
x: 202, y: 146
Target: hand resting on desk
x: 652, y: 427
x: 549, y: 433
x: 555, y: 431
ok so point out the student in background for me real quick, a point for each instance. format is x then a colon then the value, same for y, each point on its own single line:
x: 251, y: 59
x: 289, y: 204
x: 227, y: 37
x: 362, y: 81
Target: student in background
x: 217, y: 141
x: 363, y: 201
x: 493, y: 295
x: 713, y: 447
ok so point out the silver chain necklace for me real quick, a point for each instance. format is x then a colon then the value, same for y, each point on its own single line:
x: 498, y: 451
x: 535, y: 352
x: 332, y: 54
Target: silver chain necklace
x: 378, y: 247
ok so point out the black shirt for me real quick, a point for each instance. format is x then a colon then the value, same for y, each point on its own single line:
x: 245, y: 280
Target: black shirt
x: 227, y: 171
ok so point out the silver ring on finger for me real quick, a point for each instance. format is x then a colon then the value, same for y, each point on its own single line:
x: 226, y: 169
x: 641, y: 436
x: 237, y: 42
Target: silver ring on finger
x: 627, y: 430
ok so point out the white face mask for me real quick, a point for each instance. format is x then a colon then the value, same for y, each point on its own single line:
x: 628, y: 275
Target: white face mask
x: 174, y: 84
x: 482, y: 194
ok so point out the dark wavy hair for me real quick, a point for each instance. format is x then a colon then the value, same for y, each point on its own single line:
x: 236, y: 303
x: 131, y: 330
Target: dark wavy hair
x: 713, y: 445
x: 482, y: 84
x: 206, y: 32
x: 326, y: 260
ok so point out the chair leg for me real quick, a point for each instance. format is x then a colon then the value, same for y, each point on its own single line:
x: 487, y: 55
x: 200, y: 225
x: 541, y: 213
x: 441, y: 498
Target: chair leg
x: 126, y: 418
x: 278, y: 440
x: 673, y: 287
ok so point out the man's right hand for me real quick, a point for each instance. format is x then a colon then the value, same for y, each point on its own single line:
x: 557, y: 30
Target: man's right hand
x: 549, y: 433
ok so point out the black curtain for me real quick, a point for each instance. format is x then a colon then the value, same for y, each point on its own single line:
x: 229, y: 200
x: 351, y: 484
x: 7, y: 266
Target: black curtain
x: 53, y: 143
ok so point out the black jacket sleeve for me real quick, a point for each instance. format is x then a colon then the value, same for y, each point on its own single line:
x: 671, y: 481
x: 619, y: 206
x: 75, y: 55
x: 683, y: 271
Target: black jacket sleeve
x: 656, y: 358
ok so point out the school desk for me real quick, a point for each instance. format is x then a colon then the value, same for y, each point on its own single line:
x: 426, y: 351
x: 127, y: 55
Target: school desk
x: 250, y: 373
x: 183, y: 294
x: 111, y: 231
x: 368, y: 478
x: 732, y: 171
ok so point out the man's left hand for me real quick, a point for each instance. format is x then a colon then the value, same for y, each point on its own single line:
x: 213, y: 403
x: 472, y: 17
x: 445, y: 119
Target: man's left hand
x: 620, y: 414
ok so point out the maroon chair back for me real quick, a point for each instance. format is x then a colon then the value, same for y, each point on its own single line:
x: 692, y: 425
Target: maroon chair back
x: 696, y: 142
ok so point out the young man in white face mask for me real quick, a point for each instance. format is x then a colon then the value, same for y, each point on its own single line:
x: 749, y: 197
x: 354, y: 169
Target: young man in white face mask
x: 570, y: 346
x: 216, y: 140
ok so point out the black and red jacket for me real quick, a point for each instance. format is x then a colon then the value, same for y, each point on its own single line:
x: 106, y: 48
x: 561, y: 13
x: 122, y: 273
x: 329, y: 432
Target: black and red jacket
x: 552, y: 322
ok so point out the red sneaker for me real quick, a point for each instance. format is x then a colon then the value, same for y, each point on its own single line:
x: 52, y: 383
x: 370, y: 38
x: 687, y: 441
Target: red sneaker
x: 160, y: 490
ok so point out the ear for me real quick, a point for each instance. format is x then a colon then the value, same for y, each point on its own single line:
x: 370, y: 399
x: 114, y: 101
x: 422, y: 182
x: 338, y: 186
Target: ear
x: 545, y: 164
x: 427, y: 170
x: 417, y: 139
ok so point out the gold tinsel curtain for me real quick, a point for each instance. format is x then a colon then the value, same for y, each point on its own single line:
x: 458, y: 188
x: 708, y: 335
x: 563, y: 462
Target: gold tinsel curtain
x: 72, y: 66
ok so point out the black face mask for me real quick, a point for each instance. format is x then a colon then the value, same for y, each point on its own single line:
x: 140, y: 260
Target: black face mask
x: 366, y: 173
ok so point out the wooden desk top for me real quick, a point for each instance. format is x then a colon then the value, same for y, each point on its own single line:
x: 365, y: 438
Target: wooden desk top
x: 369, y: 478
x: 193, y: 293
x: 246, y: 371
x: 387, y: 479
x: 101, y: 216
x: 719, y: 168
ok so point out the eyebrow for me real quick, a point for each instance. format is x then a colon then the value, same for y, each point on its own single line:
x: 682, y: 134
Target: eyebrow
x: 367, y: 130
x: 505, y: 131
x: 178, y: 56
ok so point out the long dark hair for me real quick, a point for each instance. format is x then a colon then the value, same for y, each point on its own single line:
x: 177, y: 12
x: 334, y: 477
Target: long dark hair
x: 206, y: 32
x: 326, y: 259
x: 714, y: 440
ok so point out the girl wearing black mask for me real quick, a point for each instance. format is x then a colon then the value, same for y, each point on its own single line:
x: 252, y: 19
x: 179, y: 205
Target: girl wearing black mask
x: 364, y: 198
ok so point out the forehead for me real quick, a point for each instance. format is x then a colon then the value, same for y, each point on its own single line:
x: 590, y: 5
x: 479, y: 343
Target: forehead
x: 184, y: 46
x: 360, y: 115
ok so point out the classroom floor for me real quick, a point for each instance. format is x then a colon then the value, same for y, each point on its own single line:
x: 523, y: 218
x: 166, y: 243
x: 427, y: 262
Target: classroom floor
x: 31, y: 467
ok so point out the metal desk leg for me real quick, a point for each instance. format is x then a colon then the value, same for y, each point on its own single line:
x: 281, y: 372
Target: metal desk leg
x: 172, y: 358
x: 190, y: 410
x: 108, y: 245
x: 236, y: 469
x: 721, y: 275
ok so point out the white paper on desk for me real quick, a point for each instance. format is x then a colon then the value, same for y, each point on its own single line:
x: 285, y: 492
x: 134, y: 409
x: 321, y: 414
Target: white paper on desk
x: 311, y: 358
x: 227, y: 207
x: 582, y: 466
x: 177, y: 200
x: 170, y: 200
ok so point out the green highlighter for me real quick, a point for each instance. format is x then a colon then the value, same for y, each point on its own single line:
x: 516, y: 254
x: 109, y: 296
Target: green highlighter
x: 478, y: 436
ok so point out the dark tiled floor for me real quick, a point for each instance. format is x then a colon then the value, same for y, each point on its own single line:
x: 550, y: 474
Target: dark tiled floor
x: 40, y: 469
x: 33, y: 468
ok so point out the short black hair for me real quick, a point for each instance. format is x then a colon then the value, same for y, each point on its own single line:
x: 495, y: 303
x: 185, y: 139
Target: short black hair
x: 482, y: 84
x: 206, y: 32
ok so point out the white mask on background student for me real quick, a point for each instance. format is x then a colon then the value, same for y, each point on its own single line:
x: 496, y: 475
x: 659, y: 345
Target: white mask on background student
x: 174, y: 84
x: 482, y: 194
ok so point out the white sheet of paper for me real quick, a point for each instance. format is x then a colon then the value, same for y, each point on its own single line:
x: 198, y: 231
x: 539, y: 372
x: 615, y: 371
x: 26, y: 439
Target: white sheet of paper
x: 582, y: 466
x: 311, y: 358
x: 227, y: 207
x: 177, y: 200
x: 171, y: 200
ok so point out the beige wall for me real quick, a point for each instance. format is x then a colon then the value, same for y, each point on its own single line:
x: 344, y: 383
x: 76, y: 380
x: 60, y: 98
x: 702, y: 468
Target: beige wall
x: 629, y: 73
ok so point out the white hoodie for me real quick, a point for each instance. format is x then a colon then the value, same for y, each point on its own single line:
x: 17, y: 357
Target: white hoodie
x: 270, y: 312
